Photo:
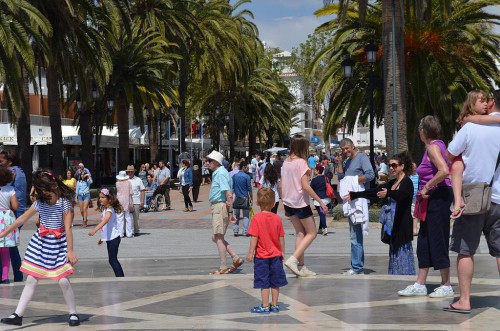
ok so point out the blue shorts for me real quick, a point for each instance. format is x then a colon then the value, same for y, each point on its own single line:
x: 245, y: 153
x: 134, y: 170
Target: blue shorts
x: 268, y: 273
x: 301, y: 213
x: 84, y: 197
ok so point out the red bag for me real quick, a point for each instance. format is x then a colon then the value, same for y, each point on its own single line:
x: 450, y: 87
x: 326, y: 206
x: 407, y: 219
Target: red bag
x: 329, y: 190
x: 420, y: 210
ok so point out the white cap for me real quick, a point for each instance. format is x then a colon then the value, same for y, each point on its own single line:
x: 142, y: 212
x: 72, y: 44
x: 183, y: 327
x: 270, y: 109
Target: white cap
x: 216, y: 156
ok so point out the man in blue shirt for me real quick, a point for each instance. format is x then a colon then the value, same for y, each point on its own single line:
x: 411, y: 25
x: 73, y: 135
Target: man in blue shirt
x: 221, y: 198
x: 242, y: 188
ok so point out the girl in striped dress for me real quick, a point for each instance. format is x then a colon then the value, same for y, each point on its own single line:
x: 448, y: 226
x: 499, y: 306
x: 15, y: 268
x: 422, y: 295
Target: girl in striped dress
x: 50, y: 252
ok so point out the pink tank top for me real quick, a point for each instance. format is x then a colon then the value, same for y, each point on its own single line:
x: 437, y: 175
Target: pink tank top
x: 426, y: 170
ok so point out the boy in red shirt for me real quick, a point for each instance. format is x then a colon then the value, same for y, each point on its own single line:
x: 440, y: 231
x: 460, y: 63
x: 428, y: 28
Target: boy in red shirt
x: 268, y: 244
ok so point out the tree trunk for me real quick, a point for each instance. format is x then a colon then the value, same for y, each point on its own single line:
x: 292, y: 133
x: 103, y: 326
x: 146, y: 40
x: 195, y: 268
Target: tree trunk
x: 55, y: 120
x: 390, y: 76
x: 183, y: 85
x: 123, y: 138
x: 24, y: 135
x: 86, y: 136
x: 153, y: 134
x: 252, y: 141
x: 232, y: 149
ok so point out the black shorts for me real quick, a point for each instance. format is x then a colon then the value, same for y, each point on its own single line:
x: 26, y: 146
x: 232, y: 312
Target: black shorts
x: 301, y: 213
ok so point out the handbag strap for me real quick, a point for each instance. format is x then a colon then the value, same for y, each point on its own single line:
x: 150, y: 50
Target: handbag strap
x: 496, y: 167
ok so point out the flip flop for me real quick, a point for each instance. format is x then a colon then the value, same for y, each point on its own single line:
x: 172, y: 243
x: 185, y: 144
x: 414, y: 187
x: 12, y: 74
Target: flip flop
x: 220, y: 272
x: 452, y: 309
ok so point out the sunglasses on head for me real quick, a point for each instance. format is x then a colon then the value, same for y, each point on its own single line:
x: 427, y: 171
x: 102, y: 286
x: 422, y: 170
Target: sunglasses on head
x: 393, y: 165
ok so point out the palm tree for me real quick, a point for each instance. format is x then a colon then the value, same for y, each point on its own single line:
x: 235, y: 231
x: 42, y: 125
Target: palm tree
x: 445, y: 57
x: 74, y: 47
x: 140, y: 62
x: 22, y: 25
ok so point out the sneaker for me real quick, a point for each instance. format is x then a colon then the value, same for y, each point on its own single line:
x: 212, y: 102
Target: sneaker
x: 293, y: 265
x: 352, y: 273
x: 304, y: 272
x: 260, y: 309
x: 411, y: 291
x: 442, y: 292
x: 325, y: 232
x: 320, y: 231
x: 275, y: 309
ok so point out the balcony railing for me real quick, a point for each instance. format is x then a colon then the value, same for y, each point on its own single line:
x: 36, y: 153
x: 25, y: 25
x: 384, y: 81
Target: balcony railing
x: 37, y: 120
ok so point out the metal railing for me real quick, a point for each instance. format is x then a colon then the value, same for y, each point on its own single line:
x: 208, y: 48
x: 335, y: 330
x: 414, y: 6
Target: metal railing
x: 37, y: 120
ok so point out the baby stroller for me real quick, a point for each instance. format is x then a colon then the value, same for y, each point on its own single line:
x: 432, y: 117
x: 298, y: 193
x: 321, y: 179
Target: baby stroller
x: 156, y: 201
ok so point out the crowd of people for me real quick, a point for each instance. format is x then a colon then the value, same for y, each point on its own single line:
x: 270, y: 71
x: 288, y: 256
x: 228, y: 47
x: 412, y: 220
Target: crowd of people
x: 430, y: 193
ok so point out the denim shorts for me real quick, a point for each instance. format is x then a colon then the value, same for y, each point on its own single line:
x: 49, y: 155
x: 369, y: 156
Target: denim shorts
x: 269, y: 273
x: 301, y: 213
x: 84, y: 197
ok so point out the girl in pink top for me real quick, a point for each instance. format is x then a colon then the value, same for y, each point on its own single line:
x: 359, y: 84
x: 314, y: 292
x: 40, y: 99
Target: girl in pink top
x: 295, y: 192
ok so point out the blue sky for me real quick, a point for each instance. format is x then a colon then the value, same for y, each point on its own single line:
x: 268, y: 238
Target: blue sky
x: 285, y: 23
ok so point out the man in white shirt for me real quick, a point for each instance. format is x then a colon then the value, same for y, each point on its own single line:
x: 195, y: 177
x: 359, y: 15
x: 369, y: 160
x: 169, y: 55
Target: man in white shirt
x: 163, y: 179
x: 138, y: 194
x: 479, y: 154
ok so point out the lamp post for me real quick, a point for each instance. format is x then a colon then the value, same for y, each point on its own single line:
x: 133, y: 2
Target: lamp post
x: 98, y: 115
x: 216, y: 142
x: 371, y: 51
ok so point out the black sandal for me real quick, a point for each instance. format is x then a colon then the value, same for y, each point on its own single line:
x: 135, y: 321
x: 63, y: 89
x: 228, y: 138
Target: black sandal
x: 74, y: 322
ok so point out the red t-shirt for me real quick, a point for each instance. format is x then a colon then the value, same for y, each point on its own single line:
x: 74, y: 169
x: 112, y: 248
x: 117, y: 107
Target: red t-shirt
x: 268, y: 228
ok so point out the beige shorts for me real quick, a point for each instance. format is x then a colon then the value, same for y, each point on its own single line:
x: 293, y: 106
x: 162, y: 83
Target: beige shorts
x: 220, y: 218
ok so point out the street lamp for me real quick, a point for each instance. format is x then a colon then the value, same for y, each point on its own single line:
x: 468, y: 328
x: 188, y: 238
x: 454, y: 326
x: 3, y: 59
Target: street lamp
x: 98, y: 130
x: 371, y: 51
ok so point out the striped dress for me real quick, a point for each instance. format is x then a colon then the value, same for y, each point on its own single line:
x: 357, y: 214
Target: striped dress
x: 46, y: 252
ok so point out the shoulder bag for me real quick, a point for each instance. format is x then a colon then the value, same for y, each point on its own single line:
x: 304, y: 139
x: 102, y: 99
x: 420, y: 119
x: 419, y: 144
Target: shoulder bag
x: 241, y: 203
x: 477, y: 196
x: 329, y: 190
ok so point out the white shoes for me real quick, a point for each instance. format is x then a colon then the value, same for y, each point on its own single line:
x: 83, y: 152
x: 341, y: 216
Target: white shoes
x: 325, y: 232
x: 293, y: 265
x: 304, y: 272
x: 442, y: 292
x: 412, y: 291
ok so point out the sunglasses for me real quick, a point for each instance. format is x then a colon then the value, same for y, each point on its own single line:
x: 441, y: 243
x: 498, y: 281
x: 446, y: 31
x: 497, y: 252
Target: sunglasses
x: 393, y: 165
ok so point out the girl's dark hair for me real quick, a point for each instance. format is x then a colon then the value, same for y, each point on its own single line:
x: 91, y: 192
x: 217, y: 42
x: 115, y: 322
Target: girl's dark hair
x: 113, y: 200
x: 404, y: 158
x: 45, y: 180
x: 5, y: 176
x: 71, y: 171
x: 270, y: 174
x: 11, y: 156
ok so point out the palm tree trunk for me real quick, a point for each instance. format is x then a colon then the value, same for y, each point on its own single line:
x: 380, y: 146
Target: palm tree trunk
x: 55, y: 120
x: 86, y: 135
x: 123, y: 138
x: 183, y: 85
x: 24, y: 135
x: 390, y: 76
x: 152, y: 134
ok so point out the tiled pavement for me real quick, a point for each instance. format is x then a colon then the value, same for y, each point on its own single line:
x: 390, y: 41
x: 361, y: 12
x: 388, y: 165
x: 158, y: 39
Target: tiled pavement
x: 167, y: 286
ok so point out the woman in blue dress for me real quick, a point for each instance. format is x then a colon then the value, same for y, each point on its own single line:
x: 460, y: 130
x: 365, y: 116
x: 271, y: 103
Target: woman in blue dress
x: 399, y: 192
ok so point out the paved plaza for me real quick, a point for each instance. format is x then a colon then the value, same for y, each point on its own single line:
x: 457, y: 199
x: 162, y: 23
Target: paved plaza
x: 167, y: 285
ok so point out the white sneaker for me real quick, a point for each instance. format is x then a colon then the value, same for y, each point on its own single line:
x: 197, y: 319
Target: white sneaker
x: 351, y: 273
x: 442, y: 292
x: 304, y: 272
x: 325, y: 232
x: 293, y: 265
x: 411, y: 291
